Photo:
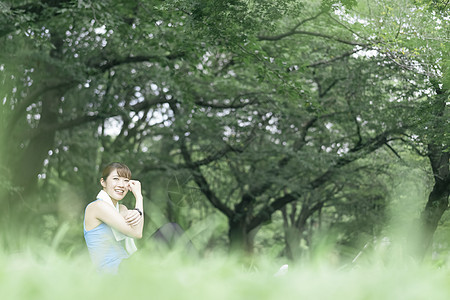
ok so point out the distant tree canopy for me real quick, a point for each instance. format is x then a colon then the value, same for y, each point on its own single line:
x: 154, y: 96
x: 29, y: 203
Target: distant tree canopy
x: 264, y: 106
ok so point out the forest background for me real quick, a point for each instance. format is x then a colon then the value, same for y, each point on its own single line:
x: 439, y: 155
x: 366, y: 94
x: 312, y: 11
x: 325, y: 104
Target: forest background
x: 286, y: 128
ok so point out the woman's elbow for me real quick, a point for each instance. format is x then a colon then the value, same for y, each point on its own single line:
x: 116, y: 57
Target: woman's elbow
x: 136, y: 235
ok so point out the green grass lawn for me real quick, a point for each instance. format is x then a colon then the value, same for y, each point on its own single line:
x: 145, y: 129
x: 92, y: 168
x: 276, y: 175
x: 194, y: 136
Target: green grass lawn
x: 48, y: 275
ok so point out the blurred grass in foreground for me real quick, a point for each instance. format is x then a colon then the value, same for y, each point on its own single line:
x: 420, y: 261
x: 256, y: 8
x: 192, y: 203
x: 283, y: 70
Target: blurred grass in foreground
x: 45, y: 274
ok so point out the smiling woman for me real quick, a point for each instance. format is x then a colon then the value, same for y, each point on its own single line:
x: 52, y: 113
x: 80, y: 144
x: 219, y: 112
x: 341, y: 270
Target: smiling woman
x: 110, y: 227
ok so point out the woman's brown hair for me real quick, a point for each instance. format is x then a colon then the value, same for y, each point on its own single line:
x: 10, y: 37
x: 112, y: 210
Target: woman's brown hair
x: 122, y: 170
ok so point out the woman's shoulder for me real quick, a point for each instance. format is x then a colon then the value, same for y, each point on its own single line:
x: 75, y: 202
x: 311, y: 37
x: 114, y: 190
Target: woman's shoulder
x: 98, y: 208
x: 96, y: 204
x: 102, y: 206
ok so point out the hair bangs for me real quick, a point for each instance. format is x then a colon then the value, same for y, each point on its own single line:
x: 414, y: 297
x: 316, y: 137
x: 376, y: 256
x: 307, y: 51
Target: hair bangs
x: 124, y: 172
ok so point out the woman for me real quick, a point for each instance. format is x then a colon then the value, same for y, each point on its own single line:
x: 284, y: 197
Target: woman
x: 109, y: 227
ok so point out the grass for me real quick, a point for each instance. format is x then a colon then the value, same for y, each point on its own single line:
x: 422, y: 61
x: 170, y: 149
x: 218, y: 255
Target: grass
x: 46, y: 274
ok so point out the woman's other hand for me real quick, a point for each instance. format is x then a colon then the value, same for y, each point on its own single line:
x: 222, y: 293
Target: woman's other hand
x: 133, y: 217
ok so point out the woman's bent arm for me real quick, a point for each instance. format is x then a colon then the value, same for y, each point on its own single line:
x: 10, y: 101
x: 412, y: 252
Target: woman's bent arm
x: 111, y: 217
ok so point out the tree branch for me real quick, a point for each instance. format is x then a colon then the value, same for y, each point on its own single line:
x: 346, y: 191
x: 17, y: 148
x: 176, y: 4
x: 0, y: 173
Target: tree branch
x: 197, y: 174
x: 417, y: 150
x: 32, y: 98
x: 367, y: 147
x: 316, y: 34
x: 201, y: 181
x: 345, y: 26
x: 290, y: 32
x: 113, y: 62
x: 94, y: 117
x: 327, y: 62
x: 393, y: 150
x: 298, y: 144
x: 233, y: 104
x: 216, y: 156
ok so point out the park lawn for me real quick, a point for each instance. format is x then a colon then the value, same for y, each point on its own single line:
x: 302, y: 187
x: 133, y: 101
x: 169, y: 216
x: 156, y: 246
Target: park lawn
x: 30, y: 275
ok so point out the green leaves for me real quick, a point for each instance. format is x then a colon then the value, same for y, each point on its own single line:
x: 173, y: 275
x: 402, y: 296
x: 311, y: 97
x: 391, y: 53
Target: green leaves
x: 271, y: 98
x: 328, y: 4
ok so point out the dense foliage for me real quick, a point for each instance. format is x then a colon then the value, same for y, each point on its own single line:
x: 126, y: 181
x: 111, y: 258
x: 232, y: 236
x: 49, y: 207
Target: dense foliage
x: 246, y: 121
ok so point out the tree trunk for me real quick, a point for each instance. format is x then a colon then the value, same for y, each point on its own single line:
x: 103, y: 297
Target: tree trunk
x: 294, y: 232
x: 437, y: 201
x: 292, y: 239
x: 28, y: 149
x: 31, y: 163
x: 438, y: 155
x: 240, y: 238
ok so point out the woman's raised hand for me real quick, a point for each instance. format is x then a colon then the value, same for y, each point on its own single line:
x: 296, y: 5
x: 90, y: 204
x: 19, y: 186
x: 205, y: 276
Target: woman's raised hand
x: 135, y: 187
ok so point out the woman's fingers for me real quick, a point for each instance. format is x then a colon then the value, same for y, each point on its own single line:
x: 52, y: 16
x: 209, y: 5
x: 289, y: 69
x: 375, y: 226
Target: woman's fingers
x: 135, y: 222
x: 135, y: 186
x: 133, y: 217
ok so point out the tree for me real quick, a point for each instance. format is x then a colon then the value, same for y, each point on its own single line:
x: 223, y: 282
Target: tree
x: 272, y: 149
x: 68, y: 71
x: 262, y: 104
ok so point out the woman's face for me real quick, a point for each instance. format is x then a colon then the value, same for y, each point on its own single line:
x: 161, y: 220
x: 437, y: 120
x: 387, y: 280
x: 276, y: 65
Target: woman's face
x: 115, y: 185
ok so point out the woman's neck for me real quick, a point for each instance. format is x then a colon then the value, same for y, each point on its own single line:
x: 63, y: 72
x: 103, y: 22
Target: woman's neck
x: 114, y: 202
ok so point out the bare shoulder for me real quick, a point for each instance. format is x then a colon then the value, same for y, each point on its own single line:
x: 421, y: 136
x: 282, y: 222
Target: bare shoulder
x: 91, y: 206
x: 98, y: 206
x: 92, y: 209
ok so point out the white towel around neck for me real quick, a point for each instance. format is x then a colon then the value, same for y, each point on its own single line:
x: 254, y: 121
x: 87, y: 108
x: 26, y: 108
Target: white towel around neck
x: 130, y: 246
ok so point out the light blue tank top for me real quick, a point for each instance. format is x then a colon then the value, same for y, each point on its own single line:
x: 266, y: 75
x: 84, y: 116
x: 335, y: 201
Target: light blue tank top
x: 106, y: 253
